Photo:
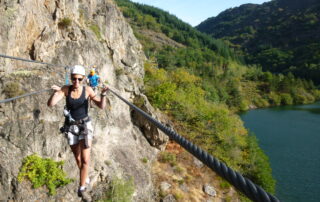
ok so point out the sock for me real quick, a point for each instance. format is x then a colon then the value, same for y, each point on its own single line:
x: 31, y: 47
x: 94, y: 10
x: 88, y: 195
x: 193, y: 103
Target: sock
x: 82, y: 188
x: 88, y: 180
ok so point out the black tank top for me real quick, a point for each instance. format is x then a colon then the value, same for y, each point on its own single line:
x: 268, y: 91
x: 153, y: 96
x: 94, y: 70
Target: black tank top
x: 78, y: 107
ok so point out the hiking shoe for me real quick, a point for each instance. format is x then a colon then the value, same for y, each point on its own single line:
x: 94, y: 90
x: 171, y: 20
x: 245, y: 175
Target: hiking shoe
x: 84, y: 194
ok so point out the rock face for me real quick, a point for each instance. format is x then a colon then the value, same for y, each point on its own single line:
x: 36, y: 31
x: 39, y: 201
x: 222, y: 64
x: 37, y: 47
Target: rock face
x: 73, y: 32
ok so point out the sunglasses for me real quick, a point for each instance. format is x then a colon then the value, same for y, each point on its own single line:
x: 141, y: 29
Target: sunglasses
x: 74, y: 79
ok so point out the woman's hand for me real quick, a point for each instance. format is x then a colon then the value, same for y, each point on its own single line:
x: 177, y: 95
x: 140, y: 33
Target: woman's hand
x: 104, y: 90
x: 56, y: 88
x: 57, y: 95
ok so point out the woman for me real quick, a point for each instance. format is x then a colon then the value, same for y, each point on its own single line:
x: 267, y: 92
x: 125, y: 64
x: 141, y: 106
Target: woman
x: 78, y: 126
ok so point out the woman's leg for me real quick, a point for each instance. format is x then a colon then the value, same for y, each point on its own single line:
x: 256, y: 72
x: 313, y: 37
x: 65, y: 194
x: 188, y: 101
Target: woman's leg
x: 85, y: 160
x: 76, y: 150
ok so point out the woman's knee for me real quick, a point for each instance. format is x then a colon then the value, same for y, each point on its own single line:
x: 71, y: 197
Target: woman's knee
x: 85, y: 160
x: 78, y: 159
x: 85, y: 157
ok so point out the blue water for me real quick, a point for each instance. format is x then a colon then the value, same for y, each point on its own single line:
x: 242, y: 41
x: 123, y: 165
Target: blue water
x: 290, y: 136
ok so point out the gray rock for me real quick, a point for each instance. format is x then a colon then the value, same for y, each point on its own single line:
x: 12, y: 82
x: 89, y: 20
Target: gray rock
x: 209, y: 190
x: 169, y: 198
x: 184, y: 187
x: 197, y: 162
x: 155, y: 136
x: 29, y: 29
x: 164, y: 186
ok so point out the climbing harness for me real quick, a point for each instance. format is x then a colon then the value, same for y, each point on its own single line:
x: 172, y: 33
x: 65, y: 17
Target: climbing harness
x: 246, y: 186
x: 76, y: 128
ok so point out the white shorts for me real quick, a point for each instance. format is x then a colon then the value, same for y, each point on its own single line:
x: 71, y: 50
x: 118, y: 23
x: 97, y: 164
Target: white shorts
x: 74, y: 139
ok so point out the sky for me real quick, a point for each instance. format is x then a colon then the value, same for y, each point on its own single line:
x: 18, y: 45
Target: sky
x: 196, y: 11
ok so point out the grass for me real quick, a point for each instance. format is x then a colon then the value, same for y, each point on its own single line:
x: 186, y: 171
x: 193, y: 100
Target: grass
x: 224, y: 184
x: 167, y: 157
x: 120, y: 190
x: 24, y: 73
x: 108, y: 163
x: 179, y: 169
x: 96, y: 30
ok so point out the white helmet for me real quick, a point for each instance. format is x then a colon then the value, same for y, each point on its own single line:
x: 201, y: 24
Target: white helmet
x: 78, y: 69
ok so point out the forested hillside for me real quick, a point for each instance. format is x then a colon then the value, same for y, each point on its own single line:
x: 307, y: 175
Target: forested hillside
x: 200, y: 83
x: 281, y: 35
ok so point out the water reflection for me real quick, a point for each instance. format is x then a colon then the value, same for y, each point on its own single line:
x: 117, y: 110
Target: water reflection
x: 314, y: 108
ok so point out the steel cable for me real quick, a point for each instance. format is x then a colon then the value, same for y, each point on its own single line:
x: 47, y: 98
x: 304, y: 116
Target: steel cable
x: 24, y: 95
x: 32, y: 61
x: 26, y: 60
x: 246, y: 186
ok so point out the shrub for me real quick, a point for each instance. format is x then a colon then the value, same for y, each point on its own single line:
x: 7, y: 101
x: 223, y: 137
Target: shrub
x: 64, y: 23
x: 286, y: 99
x: 120, y: 190
x: 12, y: 89
x: 316, y: 94
x: 224, y: 184
x: 260, y: 102
x: 259, y: 169
x: 167, y: 157
x: 274, y: 99
x: 244, y: 105
x: 144, y: 160
x: 42, y: 171
x: 138, y: 101
x: 178, y: 195
x: 179, y: 169
x: 119, y: 71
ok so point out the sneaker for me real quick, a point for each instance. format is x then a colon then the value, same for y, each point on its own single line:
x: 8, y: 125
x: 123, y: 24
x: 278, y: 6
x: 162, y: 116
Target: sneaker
x: 84, y: 194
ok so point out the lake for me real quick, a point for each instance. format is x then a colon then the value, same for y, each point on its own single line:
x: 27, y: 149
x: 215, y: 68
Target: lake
x: 290, y: 136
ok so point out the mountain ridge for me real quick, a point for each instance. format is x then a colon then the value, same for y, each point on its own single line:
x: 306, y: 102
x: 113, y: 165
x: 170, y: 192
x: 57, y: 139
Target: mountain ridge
x: 280, y: 35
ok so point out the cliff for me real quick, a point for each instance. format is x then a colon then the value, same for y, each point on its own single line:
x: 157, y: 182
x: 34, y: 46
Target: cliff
x: 68, y: 33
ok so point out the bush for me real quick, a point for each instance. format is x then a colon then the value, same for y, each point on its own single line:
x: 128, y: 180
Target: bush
x: 42, y: 171
x: 64, y: 23
x: 316, y: 94
x: 259, y: 169
x: 167, y: 157
x: 260, y: 102
x: 120, y: 190
x: 301, y: 96
x: 244, y: 105
x: 12, y: 89
x: 144, y: 160
x: 224, y: 184
x: 274, y: 98
x: 286, y: 99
